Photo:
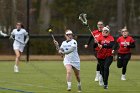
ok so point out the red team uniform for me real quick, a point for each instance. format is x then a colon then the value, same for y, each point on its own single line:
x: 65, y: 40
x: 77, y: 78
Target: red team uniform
x: 124, y: 53
x: 105, y: 51
x: 123, y: 42
x: 105, y: 57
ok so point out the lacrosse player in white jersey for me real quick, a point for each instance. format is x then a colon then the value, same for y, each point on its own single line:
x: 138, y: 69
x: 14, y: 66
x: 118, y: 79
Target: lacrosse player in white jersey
x: 18, y: 35
x: 71, y: 58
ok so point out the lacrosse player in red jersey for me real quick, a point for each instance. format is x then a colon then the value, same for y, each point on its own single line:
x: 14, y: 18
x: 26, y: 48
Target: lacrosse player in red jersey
x: 104, y: 55
x: 18, y: 36
x: 71, y: 59
x: 124, y: 44
x: 96, y: 34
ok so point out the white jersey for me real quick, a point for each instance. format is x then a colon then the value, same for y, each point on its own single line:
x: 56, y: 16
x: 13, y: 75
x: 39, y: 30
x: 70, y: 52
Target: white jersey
x: 72, y: 57
x: 19, y: 36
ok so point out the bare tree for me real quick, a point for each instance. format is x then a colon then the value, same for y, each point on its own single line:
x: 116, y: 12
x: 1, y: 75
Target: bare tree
x: 44, y: 15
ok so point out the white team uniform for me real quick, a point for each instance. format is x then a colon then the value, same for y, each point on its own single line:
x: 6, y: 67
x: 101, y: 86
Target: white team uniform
x: 71, y: 58
x: 19, y: 37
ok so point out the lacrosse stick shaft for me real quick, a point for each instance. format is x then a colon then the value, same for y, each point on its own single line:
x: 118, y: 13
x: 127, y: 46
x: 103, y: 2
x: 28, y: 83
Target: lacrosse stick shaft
x: 53, y: 37
x: 57, y: 46
x: 92, y: 34
x: 18, y: 41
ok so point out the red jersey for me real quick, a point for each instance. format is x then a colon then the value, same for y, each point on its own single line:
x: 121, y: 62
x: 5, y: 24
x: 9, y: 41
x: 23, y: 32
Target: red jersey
x: 123, y: 42
x: 105, y: 52
x: 96, y: 34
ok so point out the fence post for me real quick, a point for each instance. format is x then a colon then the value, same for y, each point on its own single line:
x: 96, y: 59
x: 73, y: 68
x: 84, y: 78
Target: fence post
x: 28, y: 25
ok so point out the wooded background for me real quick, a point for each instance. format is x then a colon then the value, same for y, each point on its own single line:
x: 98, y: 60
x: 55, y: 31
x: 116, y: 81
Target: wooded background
x: 63, y: 14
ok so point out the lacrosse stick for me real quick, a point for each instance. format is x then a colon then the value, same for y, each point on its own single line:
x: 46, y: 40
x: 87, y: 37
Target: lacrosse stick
x: 17, y: 41
x: 56, y: 45
x: 83, y: 19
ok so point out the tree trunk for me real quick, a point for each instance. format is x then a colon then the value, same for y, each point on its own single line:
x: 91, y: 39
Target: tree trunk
x: 44, y: 16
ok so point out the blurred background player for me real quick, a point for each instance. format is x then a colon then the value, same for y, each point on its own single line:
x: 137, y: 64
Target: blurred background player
x: 96, y: 33
x: 124, y: 44
x: 18, y: 35
x: 104, y: 55
x: 71, y: 58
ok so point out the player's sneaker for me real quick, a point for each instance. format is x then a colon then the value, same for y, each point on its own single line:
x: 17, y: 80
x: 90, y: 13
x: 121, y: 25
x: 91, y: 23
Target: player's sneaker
x: 16, y: 69
x: 101, y: 83
x: 105, y: 87
x: 69, y: 88
x: 79, y: 88
x: 97, y: 76
x: 123, y: 77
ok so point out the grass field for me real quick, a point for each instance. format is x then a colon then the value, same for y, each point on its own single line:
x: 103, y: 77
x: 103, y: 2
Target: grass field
x: 49, y: 77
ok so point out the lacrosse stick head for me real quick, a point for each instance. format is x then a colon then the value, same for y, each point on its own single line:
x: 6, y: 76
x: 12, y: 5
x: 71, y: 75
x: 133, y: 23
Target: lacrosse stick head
x: 83, y: 18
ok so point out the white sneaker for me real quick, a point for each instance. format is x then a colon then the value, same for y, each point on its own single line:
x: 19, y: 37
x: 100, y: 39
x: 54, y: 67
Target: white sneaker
x: 16, y: 69
x: 123, y: 77
x: 69, y: 88
x: 101, y: 83
x: 97, y: 76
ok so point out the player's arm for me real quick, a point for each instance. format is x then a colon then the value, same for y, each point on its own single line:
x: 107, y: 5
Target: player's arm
x: 12, y: 35
x: 116, y: 46
x: 61, y: 48
x: 69, y: 50
x: 95, y: 45
x: 27, y: 39
x: 3, y: 34
x: 110, y: 45
x: 57, y: 46
x: 88, y: 42
x: 132, y: 45
x: 27, y: 36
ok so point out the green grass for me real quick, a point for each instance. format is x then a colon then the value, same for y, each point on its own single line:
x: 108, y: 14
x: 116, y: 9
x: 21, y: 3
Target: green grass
x: 49, y: 77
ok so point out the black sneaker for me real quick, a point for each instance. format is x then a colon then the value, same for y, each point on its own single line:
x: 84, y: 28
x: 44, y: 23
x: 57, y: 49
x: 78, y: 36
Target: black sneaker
x: 79, y: 88
x: 105, y: 87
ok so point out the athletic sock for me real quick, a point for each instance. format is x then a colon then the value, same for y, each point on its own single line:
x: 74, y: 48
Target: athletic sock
x: 79, y: 83
x: 69, y: 84
x: 79, y: 87
x: 97, y: 72
x: 16, y: 66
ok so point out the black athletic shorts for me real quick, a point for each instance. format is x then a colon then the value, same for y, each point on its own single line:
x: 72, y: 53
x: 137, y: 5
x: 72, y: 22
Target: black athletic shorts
x: 122, y: 59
